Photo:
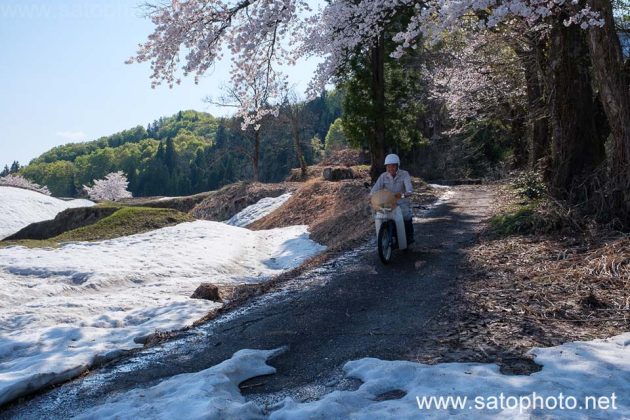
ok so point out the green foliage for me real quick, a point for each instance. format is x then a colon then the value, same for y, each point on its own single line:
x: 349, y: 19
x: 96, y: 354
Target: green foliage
x: 124, y: 222
x: 201, y: 124
x: 317, y: 148
x: 335, y: 138
x: 323, y: 111
x: 57, y: 176
x: 542, y: 216
x: 530, y: 184
x: 519, y: 220
x: 187, y: 153
x: 484, y: 143
x: 403, y: 110
x: 71, y: 151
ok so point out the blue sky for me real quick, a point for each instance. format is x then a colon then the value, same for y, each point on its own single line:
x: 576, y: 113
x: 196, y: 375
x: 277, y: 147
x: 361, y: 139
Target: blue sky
x: 63, y: 77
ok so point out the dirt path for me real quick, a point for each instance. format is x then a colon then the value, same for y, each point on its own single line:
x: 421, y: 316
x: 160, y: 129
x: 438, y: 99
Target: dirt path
x: 350, y: 308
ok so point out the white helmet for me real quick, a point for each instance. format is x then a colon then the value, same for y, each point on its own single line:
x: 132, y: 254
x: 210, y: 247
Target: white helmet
x: 392, y: 159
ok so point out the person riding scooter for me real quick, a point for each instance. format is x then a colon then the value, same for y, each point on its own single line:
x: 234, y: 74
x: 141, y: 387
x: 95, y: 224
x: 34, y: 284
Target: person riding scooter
x: 398, y: 182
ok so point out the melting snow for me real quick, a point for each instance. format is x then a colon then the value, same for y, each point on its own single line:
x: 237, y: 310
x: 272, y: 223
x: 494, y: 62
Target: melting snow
x: 209, y: 394
x: 576, y: 370
x: 258, y: 210
x: 63, y: 309
x: 19, y: 208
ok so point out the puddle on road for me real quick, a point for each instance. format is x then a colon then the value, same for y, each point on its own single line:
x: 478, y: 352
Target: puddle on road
x: 314, y: 391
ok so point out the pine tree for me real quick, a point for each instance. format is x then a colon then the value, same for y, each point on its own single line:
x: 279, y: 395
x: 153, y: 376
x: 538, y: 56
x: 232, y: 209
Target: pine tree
x: 220, y: 138
x: 159, y: 155
x: 15, y: 167
x: 198, y: 172
x: 6, y: 171
x: 170, y: 155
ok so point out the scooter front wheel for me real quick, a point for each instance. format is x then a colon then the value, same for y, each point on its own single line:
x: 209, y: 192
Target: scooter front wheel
x: 384, y: 243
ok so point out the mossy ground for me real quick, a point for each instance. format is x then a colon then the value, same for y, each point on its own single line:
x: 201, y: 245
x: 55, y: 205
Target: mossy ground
x: 126, y: 221
x: 519, y: 218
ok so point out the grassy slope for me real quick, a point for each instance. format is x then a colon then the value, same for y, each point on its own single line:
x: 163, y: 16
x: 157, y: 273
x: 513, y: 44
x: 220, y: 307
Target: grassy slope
x: 124, y: 222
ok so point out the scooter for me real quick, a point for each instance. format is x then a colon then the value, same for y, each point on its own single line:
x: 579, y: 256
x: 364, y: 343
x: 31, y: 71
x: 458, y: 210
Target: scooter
x: 390, y: 226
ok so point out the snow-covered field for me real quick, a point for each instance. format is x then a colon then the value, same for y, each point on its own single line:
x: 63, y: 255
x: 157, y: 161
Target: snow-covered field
x: 572, y: 373
x: 63, y: 309
x: 258, y: 210
x: 19, y: 208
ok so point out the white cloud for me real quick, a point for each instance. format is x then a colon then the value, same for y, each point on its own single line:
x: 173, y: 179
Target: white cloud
x: 72, y: 135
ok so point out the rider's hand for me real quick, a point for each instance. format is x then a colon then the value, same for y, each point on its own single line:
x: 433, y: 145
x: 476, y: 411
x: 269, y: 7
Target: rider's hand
x: 398, y: 195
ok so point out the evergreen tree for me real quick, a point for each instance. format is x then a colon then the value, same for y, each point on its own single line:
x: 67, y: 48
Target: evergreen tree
x: 220, y: 138
x: 6, y: 171
x: 15, y: 167
x: 159, y: 155
x: 198, y: 171
x: 170, y: 155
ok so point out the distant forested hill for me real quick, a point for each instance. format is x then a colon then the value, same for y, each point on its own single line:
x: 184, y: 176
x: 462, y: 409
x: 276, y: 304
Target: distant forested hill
x: 186, y: 153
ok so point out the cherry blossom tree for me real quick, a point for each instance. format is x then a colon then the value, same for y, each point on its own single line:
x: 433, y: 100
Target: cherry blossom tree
x: 268, y: 34
x: 294, y: 113
x: 251, y: 98
x: 250, y: 30
x: 481, y: 78
x: 13, y: 180
x: 112, y: 188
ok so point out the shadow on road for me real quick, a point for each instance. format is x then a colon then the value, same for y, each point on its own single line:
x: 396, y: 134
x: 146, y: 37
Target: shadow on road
x: 349, y: 309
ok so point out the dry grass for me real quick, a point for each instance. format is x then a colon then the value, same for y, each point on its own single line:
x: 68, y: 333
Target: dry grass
x: 316, y: 171
x: 344, y: 157
x: 337, y: 213
x: 536, y: 290
x: 350, y: 158
x: 224, y: 203
x: 576, y: 287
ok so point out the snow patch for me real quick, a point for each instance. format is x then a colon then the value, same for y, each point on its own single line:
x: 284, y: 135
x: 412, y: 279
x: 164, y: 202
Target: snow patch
x: 212, y: 393
x: 578, y: 370
x: 20, y: 207
x: 446, y: 193
x: 64, y: 309
x: 439, y: 186
x: 258, y: 210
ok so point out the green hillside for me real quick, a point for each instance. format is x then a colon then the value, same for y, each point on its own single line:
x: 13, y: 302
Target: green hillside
x: 183, y: 154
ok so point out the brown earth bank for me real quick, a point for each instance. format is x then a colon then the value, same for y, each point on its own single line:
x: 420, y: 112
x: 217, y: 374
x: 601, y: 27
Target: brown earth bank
x: 338, y: 213
x: 521, y: 291
x: 224, y: 203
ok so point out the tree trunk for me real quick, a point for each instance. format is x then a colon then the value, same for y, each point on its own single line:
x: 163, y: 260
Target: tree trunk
x: 614, y: 93
x: 256, y: 155
x: 576, y: 148
x: 538, y: 120
x: 377, y: 143
x: 300, y: 156
x: 518, y: 133
x: 295, y: 127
